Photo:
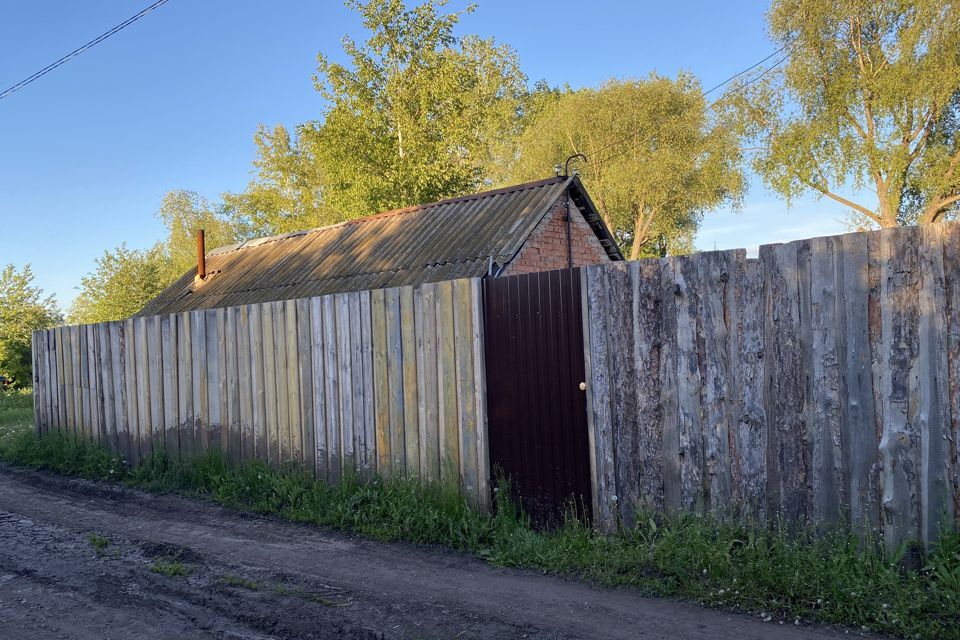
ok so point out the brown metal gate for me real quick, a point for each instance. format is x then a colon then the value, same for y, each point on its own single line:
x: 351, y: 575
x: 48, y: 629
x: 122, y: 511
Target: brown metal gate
x: 537, y: 411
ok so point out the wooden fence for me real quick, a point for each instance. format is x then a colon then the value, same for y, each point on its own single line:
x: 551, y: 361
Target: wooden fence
x: 389, y: 380
x: 818, y: 382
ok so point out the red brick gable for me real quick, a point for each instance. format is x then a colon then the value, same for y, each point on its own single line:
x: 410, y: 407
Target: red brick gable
x: 546, y: 248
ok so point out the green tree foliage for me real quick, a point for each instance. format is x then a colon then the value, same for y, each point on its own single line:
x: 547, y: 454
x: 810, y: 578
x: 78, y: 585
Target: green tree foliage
x: 870, y: 101
x: 656, y: 157
x: 124, y: 280
x: 417, y: 115
x: 23, y: 310
x: 286, y: 193
x: 183, y: 213
x: 122, y: 283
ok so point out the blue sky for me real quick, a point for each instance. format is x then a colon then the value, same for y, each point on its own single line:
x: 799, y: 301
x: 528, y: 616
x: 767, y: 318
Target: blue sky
x: 173, y: 101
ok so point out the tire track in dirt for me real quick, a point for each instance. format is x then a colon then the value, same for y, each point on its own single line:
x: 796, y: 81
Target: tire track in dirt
x: 255, y: 578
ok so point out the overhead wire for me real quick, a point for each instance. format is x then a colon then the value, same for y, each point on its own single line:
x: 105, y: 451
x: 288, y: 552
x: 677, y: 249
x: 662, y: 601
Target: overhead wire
x: 788, y: 47
x: 79, y: 50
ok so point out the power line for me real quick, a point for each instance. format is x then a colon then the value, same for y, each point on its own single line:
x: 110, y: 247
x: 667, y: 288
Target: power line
x: 747, y: 70
x: 76, y: 52
x: 709, y: 106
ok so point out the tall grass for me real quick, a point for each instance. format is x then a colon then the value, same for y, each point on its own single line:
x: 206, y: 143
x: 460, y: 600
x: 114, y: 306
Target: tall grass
x: 785, y: 578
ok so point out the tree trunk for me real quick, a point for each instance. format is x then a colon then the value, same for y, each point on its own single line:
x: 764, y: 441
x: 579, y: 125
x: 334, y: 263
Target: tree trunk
x: 641, y: 224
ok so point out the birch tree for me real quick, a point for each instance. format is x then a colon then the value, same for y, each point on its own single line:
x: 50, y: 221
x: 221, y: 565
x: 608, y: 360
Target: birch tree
x: 866, y: 109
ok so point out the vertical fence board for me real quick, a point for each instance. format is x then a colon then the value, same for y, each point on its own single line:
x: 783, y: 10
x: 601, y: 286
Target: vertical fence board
x: 689, y: 388
x: 245, y: 389
x: 857, y: 404
x: 467, y: 408
x: 171, y: 418
x: 933, y: 412
x: 271, y: 415
x: 669, y: 399
x: 83, y: 383
x: 155, y: 376
x: 624, y: 399
x: 408, y: 342
x: 827, y: 347
x: 118, y: 358
x: 395, y: 379
x: 215, y: 373
x: 36, y: 376
x: 381, y: 388
x: 306, y: 426
x: 96, y: 404
x: 749, y: 439
x: 282, y: 435
x: 319, y: 388
x: 645, y: 323
x: 106, y: 385
x: 480, y: 394
x: 713, y: 274
x: 232, y: 371
x: 294, y: 419
x: 899, y: 446
x: 369, y: 458
x: 358, y: 387
x: 785, y: 384
x: 449, y: 430
x: 258, y: 382
x: 56, y: 363
x: 185, y: 407
x: 344, y: 366
x: 428, y: 406
x: 332, y: 381
x: 598, y: 396
x: 145, y: 394
x: 198, y: 364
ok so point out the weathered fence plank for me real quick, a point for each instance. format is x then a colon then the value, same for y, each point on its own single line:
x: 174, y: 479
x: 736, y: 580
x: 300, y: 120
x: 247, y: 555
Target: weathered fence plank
x: 785, y: 395
x: 857, y: 418
x: 933, y: 411
x: 307, y: 423
x: 294, y: 452
x: 408, y: 347
x: 449, y: 429
x: 827, y: 346
x: 899, y: 446
x: 317, y: 352
x: 368, y: 455
x: 245, y: 389
x: 168, y: 355
x: 344, y: 355
x: 467, y: 405
x: 185, y: 426
x: 713, y: 272
x: 428, y: 400
x: 332, y: 389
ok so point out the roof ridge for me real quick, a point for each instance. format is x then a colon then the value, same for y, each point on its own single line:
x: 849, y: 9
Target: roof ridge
x: 255, y: 242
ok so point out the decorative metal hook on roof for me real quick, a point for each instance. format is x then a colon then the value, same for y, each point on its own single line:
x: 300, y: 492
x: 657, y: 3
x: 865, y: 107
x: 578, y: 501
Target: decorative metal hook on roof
x: 566, y: 165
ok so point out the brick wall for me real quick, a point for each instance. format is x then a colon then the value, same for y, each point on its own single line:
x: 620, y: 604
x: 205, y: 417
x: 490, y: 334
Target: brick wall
x: 546, y: 248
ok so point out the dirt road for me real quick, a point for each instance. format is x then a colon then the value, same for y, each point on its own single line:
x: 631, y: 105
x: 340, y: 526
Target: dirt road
x: 259, y: 578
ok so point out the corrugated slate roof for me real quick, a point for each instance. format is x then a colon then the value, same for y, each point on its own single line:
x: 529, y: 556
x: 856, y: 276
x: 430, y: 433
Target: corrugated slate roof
x: 427, y: 243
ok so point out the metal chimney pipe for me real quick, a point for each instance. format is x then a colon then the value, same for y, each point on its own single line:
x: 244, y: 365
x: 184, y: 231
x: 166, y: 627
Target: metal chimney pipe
x: 201, y: 256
